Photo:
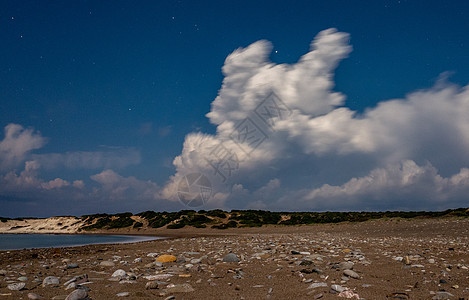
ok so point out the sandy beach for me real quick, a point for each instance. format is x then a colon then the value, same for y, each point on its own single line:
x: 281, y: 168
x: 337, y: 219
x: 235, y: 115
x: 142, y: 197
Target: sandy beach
x: 381, y: 259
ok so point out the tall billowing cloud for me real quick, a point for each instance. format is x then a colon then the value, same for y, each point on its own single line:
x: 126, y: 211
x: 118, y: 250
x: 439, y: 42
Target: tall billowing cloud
x: 283, y: 127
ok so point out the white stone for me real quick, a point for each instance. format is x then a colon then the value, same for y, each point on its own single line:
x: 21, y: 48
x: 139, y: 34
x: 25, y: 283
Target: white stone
x: 119, y: 273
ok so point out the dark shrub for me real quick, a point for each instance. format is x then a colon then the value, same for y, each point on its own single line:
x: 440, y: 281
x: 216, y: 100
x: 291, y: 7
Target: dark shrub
x: 175, y: 226
x: 218, y: 213
x: 138, y: 225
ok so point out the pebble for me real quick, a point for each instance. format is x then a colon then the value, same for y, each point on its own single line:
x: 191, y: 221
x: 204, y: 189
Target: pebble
x: 49, y: 280
x: 119, y: 273
x: 72, y: 266
x: 23, y: 278
x: 351, y: 273
x: 123, y: 294
x: 231, y: 257
x: 346, y: 265
x: 138, y: 260
x: 158, y: 276
x: 166, y: 258
x: 306, y: 262
x: 71, y: 280
x: 179, y: 288
x: 317, y: 284
x: 16, y: 286
x: 127, y: 281
x: 151, y: 285
x: 442, y: 296
x: 407, y: 260
x: 77, y: 294
x: 71, y: 285
x: 107, y: 263
x: 337, y: 288
x: 154, y: 264
x: 34, y: 296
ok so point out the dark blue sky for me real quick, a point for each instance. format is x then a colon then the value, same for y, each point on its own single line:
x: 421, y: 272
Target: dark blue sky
x: 94, y: 75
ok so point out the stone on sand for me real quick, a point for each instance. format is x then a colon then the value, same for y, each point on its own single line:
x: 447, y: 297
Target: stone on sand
x: 151, y: 285
x: 119, y: 273
x: 337, y: 288
x: 166, y: 258
x: 34, y: 296
x: 231, y: 257
x: 346, y: 265
x: 179, y: 288
x: 77, y: 294
x: 16, y: 286
x: 351, y: 273
x: 107, y: 263
x: 50, y: 280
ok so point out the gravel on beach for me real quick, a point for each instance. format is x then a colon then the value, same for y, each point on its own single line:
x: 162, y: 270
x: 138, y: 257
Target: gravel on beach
x: 382, y: 259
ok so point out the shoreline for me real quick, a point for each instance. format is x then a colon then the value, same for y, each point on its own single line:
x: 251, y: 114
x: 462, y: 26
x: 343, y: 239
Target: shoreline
x: 130, y: 239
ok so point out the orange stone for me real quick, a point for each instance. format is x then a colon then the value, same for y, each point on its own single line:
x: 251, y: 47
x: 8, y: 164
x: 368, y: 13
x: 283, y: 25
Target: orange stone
x: 166, y: 258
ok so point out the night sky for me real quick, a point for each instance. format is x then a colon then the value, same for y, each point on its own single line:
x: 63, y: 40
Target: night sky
x: 113, y: 106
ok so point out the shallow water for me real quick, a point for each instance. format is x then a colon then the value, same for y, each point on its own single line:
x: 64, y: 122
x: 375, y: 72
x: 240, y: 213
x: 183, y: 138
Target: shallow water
x: 28, y: 241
